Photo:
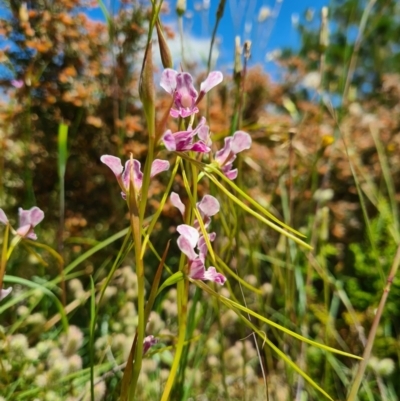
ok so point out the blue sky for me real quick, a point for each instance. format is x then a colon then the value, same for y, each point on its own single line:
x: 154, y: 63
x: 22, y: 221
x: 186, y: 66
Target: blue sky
x: 241, y: 17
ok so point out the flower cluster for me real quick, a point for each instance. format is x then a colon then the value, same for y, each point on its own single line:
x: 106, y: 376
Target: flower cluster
x: 180, y: 86
x: 186, y: 98
x: 191, y: 238
x: 28, y: 220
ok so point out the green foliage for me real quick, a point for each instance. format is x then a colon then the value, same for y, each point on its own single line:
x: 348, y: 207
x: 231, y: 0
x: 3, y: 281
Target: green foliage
x: 364, y: 284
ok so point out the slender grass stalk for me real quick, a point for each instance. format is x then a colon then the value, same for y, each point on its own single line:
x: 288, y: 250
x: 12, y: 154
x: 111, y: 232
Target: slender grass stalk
x: 219, y: 15
x: 375, y: 324
x: 62, y: 163
x: 356, y: 49
x: 4, y: 253
x: 91, y: 335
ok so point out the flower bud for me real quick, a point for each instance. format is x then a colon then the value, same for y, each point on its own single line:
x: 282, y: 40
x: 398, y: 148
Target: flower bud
x: 165, y: 53
x: 147, y: 89
x: 180, y: 7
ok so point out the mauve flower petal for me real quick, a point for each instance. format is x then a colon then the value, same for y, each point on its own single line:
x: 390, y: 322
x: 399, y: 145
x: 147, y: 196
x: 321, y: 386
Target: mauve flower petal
x: 36, y: 216
x: 158, y: 166
x: 214, y: 78
x: 24, y: 217
x: 114, y: 163
x: 23, y: 231
x: 186, y: 247
x: 222, y: 155
x: 174, y: 113
x: 176, y: 201
x: 137, y: 175
x: 197, y: 270
x: 168, y: 80
x: 200, y: 147
x: 209, y: 205
x: 3, y: 217
x: 241, y: 141
x: 202, y: 247
x: 232, y: 174
x: 204, y: 134
x: 186, y: 93
x: 148, y: 342
x: 4, y: 292
x: 188, y: 112
x: 190, y: 233
x: 212, y: 275
x: 169, y: 141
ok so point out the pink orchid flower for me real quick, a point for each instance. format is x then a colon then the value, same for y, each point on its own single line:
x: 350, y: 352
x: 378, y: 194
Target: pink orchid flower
x: 189, y: 239
x: 208, y: 207
x: 180, y: 86
x: 122, y: 174
x: 225, y: 157
x: 28, y: 220
x: 183, y: 140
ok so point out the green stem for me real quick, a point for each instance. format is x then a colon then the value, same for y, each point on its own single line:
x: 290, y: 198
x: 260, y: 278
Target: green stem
x: 182, y: 304
x: 135, y: 225
x: 371, y: 338
x: 4, y: 255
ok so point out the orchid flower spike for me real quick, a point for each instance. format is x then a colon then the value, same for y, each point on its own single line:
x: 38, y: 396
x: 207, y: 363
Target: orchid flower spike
x: 123, y: 174
x: 183, y: 140
x: 225, y: 157
x: 180, y: 86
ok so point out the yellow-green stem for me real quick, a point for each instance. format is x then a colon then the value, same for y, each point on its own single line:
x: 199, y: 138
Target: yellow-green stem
x: 135, y: 225
x: 182, y: 302
x: 4, y: 255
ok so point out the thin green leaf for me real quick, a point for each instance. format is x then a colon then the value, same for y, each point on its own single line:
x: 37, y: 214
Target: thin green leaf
x: 32, y: 284
x: 175, y: 278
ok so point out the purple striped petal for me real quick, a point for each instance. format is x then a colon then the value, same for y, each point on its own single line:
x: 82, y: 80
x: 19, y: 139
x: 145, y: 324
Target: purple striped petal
x: 186, y: 247
x: 169, y: 141
x: 168, y: 80
x: 114, y: 163
x: 241, y: 141
x: 209, y: 206
x: 212, y: 275
x: 158, y: 166
x: 214, y: 78
x: 190, y: 233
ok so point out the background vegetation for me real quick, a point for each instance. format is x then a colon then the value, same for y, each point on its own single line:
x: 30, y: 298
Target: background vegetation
x: 325, y: 160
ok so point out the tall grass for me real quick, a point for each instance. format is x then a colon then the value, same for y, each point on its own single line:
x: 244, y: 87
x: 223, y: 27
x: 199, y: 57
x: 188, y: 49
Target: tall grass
x: 118, y: 311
